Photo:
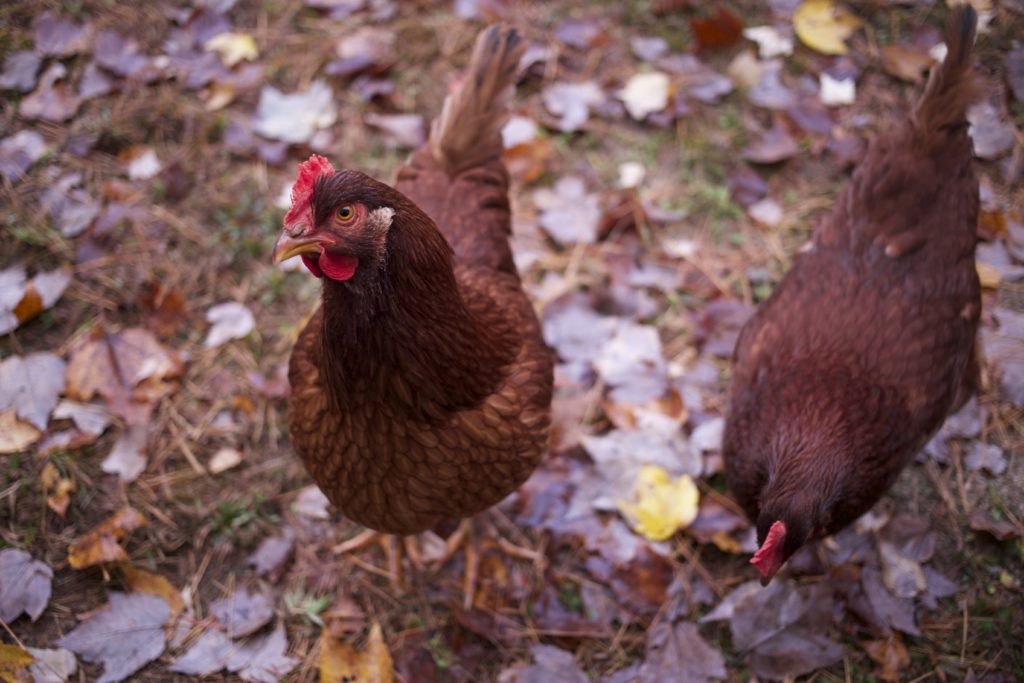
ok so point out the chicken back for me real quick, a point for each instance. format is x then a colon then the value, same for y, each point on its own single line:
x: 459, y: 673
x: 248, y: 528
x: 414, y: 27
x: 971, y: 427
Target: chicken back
x: 867, y: 343
x: 421, y: 387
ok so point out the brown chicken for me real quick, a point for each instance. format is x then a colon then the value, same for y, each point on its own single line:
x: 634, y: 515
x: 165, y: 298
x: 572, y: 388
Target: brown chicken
x: 421, y: 387
x: 867, y: 343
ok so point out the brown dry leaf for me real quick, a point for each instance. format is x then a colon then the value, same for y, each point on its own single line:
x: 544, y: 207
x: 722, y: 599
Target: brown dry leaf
x: 101, y: 543
x: 13, y: 662
x: 166, y: 308
x: 906, y: 63
x: 141, y: 581
x: 719, y: 30
x: 339, y: 661
x: 123, y: 367
x: 16, y: 435
x: 57, y: 489
x: 528, y: 160
x: 891, y: 656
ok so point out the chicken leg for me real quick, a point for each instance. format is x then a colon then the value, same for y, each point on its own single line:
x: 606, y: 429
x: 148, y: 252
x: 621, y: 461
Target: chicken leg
x: 438, y: 552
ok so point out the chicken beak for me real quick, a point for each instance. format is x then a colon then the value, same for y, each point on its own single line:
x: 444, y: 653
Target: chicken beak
x: 288, y: 246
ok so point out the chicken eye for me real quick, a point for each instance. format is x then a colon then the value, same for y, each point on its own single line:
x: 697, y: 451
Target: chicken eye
x: 345, y: 213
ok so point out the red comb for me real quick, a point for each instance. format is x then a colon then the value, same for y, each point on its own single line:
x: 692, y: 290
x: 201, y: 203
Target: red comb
x: 768, y: 557
x: 309, y: 171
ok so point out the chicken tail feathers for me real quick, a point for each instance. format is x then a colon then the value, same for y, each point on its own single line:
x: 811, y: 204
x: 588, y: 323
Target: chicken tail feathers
x: 468, y: 130
x: 952, y: 86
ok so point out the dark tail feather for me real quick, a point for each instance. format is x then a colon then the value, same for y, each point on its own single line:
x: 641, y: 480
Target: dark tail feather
x: 952, y: 86
x: 468, y: 130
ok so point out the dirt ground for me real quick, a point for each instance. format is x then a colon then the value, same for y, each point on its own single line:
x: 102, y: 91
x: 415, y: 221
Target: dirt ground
x: 684, y: 252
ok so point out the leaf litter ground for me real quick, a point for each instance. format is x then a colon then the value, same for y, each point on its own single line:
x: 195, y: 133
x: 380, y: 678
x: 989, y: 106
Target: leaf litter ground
x: 667, y: 163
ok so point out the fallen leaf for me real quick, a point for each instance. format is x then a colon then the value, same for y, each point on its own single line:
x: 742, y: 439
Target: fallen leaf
x: 1001, y: 528
x: 550, y: 664
x: 271, y: 554
x: 633, y: 363
x: 20, y: 71
x: 130, y: 365
x: 233, y: 47
x: 56, y: 37
x: 648, y: 48
x: 985, y: 456
x: 721, y: 29
x: 128, y: 457
x: 906, y: 62
x: 57, y: 489
x: 891, y: 656
x: 69, y: 206
x: 991, y: 131
x: 18, y: 152
x: 261, y: 659
x: 124, y: 637
x: 230, y: 320
x: 30, y: 385
x: 141, y: 581
x: 224, y: 459
x: 582, y: 34
x: 769, y: 91
x: 771, y: 42
x: 989, y: 276
x: 571, y: 103
x: 295, y: 118
x: 824, y: 26
x: 312, y: 503
x: 401, y: 130
x: 901, y: 575
x: 645, y: 93
x: 52, y: 666
x: 25, y: 585
x: 22, y: 299
x: 772, y: 146
x: 837, y: 92
x: 166, y: 308
x: 567, y: 212
x: 1003, y: 353
x: 120, y: 55
x: 767, y: 212
x: 16, y: 435
x: 243, y: 613
x: 140, y: 162
x: 1014, y: 60
x: 341, y: 662
x: 94, y: 83
x: 679, y: 653
x: 101, y: 544
x: 661, y: 505
x: 366, y: 48
x: 52, y: 100
x: 13, y: 663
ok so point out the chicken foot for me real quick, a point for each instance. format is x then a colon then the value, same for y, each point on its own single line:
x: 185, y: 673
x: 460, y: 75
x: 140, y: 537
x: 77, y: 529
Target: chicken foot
x: 464, y: 536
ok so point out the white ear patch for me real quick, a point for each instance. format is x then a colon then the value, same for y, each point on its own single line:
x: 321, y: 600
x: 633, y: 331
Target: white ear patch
x: 379, y: 220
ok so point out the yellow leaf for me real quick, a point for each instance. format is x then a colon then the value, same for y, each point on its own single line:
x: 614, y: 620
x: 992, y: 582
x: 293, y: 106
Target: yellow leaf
x: 12, y: 661
x: 823, y: 26
x: 15, y: 435
x: 661, y: 505
x: 989, y: 276
x: 233, y: 47
x: 340, y: 661
x: 101, y: 543
x: 141, y: 581
x: 57, y: 488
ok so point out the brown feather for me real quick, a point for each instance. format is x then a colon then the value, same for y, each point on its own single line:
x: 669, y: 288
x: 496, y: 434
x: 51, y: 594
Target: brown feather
x: 866, y: 344
x: 421, y: 389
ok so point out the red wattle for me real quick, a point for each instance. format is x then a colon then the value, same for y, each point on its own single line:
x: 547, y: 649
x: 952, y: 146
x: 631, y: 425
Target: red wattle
x: 311, y: 264
x: 338, y: 267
